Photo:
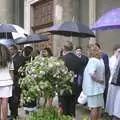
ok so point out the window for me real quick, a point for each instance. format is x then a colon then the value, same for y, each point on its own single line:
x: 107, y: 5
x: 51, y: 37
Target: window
x: 43, y: 12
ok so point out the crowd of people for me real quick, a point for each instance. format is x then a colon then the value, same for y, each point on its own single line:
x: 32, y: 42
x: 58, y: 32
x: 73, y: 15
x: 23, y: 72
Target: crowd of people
x: 95, y: 74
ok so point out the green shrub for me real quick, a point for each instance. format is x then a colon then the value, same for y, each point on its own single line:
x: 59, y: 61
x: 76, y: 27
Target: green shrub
x: 48, y: 114
x: 44, y: 77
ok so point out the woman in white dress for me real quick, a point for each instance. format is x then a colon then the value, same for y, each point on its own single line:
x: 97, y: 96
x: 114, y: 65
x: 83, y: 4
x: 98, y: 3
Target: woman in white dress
x: 5, y: 81
x: 93, y: 82
x: 113, y: 98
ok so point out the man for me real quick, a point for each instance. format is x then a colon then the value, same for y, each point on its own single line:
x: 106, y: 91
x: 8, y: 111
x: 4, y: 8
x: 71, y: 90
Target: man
x: 18, y: 61
x: 75, y: 64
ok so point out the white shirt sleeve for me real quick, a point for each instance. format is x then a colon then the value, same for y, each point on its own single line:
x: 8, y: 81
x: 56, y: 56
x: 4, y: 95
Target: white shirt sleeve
x: 11, y: 65
x: 93, y: 64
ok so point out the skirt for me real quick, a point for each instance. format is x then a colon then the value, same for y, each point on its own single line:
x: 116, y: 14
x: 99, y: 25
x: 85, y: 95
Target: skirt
x: 95, y: 101
x: 5, y: 91
x: 113, y: 101
x: 117, y: 103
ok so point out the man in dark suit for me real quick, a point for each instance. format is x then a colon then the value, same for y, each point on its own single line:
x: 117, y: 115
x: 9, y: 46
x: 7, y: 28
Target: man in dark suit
x: 77, y: 65
x: 18, y: 61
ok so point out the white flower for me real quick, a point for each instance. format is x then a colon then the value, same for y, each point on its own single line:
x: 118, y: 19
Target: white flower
x: 57, y: 63
x: 41, y: 63
x: 42, y: 73
x: 50, y: 65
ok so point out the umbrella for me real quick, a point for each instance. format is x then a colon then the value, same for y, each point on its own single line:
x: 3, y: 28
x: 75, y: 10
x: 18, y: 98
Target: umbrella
x: 7, y: 28
x: 69, y: 28
x: 110, y: 20
x: 7, y: 42
x: 31, y: 39
x: 20, y: 32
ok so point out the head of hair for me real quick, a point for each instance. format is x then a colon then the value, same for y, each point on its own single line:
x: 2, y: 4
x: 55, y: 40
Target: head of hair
x: 28, y: 50
x: 116, y: 46
x: 78, y: 47
x: 48, y: 51
x: 93, y: 51
x: 4, y: 56
x: 68, y: 46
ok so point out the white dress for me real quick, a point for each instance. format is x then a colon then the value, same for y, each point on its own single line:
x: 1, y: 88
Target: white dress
x: 92, y: 89
x: 113, y: 97
x: 6, y: 81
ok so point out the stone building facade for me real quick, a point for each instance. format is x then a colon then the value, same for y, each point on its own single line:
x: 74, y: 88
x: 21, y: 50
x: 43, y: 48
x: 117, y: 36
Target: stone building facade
x: 12, y: 11
x: 39, y: 15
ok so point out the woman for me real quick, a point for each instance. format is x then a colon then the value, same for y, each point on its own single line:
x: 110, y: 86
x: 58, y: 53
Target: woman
x: 6, y: 81
x: 93, y: 82
x: 113, y: 98
x: 46, y: 52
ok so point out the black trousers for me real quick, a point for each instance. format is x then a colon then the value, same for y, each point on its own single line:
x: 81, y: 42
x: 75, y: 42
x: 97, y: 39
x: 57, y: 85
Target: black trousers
x: 68, y: 104
x: 14, y: 101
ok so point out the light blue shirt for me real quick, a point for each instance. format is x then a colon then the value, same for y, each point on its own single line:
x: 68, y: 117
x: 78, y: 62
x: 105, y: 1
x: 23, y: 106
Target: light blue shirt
x: 90, y: 86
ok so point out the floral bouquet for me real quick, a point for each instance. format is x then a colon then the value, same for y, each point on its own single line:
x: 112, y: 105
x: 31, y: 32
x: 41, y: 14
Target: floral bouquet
x: 45, y: 77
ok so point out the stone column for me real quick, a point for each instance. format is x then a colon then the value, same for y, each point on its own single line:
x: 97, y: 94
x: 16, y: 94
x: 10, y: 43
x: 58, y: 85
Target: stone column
x: 6, y: 11
x: 19, y: 12
x: 92, y: 16
x: 64, y: 10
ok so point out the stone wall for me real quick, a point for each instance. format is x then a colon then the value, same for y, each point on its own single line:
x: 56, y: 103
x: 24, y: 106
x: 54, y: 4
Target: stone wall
x: 6, y: 11
x: 65, y: 10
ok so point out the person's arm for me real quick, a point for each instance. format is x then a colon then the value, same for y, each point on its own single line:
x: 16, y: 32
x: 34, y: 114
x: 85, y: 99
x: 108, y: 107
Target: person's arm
x: 92, y: 71
x: 11, y: 69
x: 94, y: 77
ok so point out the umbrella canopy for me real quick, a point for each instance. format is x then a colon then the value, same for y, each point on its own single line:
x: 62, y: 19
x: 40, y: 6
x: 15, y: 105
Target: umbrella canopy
x: 20, y: 32
x: 110, y: 20
x: 7, y: 42
x: 31, y: 39
x: 7, y: 28
x: 70, y: 28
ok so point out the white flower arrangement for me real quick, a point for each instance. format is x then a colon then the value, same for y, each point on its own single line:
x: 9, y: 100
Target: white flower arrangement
x: 45, y: 77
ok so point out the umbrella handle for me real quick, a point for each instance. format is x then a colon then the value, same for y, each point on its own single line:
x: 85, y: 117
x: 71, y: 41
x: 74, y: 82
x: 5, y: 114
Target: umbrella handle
x: 71, y: 38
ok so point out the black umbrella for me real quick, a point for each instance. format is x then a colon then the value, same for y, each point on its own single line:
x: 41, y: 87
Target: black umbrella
x: 31, y: 39
x: 70, y: 28
x: 4, y: 28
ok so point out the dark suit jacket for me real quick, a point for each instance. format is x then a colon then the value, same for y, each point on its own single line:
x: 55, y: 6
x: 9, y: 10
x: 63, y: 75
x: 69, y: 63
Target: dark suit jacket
x: 107, y: 69
x: 75, y: 64
x: 18, y: 61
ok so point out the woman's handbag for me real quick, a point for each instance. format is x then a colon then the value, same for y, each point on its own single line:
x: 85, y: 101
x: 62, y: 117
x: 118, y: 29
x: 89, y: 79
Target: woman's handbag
x: 82, y: 99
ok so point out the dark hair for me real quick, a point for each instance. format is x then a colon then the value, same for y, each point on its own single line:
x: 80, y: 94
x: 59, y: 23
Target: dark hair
x: 4, y: 56
x: 98, y: 45
x: 68, y: 46
x: 78, y: 47
x: 28, y: 50
x: 49, y: 51
x: 116, y: 46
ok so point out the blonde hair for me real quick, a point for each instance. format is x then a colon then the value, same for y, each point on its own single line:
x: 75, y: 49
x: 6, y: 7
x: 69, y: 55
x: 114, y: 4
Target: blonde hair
x: 94, y: 51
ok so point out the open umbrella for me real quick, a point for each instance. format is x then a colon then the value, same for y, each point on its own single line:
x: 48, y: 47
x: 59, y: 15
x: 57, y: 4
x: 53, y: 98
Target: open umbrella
x: 69, y: 28
x: 20, y: 32
x: 7, y: 42
x: 110, y: 20
x: 7, y: 28
x: 31, y: 39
